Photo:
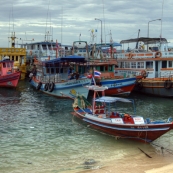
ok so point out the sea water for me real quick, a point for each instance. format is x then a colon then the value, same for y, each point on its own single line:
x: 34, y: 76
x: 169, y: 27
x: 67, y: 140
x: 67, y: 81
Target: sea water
x: 39, y: 134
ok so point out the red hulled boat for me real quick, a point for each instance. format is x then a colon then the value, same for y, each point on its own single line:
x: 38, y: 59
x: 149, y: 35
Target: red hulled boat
x: 103, y: 115
x: 9, y: 77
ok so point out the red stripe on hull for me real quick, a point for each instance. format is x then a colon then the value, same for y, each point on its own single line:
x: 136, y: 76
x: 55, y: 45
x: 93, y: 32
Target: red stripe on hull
x: 122, y: 90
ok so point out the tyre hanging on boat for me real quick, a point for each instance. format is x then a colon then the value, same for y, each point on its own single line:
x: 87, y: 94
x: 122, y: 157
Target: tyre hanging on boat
x: 168, y: 84
x: 139, y: 85
x: 38, y: 86
x: 46, y: 86
x: 51, y: 87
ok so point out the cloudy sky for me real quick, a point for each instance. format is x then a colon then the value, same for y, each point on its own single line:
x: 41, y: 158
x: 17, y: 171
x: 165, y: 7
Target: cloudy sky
x: 67, y: 19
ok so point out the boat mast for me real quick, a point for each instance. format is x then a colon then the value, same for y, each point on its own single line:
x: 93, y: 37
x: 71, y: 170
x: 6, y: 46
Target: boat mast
x: 138, y: 39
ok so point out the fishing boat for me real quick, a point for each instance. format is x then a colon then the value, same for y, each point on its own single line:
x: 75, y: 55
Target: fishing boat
x: 9, y: 77
x: 18, y: 55
x: 102, y: 58
x: 153, y: 59
x: 60, y: 77
x: 105, y: 116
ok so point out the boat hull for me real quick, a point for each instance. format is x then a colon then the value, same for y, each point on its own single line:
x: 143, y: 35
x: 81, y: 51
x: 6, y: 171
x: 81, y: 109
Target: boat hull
x: 10, y: 80
x: 156, y: 88
x: 67, y: 89
x: 119, y: 86
x: 143, y: 133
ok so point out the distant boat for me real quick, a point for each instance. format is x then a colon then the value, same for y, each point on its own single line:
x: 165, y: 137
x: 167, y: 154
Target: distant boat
x: 104, y: 115
x: 152, y: 58
x: 9, y: 77
x: 18, y: 55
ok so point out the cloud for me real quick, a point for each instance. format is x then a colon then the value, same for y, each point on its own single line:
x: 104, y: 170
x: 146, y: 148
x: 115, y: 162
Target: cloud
x: 67, y: 19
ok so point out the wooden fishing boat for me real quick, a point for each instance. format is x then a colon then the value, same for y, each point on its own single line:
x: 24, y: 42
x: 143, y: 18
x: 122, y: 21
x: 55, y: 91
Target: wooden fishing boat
x: 104, y: 115
x: 153, y: 59
x: 102, y: 58
x: 55, y: 77
x: 9, y: 77
x: 18, y: 55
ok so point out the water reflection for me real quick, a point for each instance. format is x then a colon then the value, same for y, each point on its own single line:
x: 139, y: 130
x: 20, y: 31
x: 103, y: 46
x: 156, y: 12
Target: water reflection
x: 39, y: 134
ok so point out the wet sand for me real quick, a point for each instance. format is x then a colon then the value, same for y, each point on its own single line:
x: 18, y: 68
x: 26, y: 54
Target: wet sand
x: 137, y: 164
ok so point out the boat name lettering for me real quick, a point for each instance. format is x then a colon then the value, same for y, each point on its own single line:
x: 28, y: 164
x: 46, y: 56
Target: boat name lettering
x: 71, y: 83
x: 116, y: 84
x: 142, y: 127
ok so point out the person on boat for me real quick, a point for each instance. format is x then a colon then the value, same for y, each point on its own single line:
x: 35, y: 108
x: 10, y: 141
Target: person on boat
x: 34, y: 70
x: 128, y: 50
x: 28, y: 69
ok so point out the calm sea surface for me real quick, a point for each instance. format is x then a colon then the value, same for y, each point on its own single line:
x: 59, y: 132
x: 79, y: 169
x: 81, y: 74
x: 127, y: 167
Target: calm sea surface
x: 38, y: 134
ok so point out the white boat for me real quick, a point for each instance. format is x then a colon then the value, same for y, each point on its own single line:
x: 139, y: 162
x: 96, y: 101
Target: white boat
x: 151, y: 58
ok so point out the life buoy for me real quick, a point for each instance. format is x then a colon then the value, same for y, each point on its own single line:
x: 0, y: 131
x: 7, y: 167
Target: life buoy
x: 144, y: 74
x: 51, y: 87
x: 158, y: 54
x: 168, y: 84
x: 46, y: 86
x: 38, y: 86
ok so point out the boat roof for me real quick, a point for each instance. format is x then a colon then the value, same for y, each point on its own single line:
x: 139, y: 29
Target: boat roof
x: 114, y: 44
x: 46, y: 43
x: 107, y: 99
x: 6, y: 60
x: 69, y: 58
x: 146, y: 40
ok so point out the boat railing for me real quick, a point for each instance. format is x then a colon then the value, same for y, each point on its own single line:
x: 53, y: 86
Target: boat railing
x: 166, y: 75
x: 138, y: 55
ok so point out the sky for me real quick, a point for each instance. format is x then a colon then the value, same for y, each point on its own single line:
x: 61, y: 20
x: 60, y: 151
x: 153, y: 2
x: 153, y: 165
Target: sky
x: 68, y: 21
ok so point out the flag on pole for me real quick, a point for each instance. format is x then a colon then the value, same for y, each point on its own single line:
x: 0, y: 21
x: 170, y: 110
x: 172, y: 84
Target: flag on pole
x: 97, y: 73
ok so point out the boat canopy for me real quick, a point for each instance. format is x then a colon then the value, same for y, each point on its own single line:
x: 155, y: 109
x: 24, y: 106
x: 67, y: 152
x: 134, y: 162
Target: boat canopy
x: 114, y: 44
x: 70, y: 58
x: 145, y: 40
x: 106, y: 99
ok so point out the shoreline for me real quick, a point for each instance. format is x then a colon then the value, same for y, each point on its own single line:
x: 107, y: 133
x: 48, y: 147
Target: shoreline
x: 137, y: 164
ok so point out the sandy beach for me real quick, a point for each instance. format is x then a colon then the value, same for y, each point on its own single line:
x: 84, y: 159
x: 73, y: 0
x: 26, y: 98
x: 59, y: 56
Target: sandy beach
x: 138, y: 164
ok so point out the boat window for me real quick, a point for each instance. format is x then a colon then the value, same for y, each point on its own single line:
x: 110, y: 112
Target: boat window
x: 149, y: 64
x: 57, y: 70
x: 164, y: 64
x: 133, y: 64
x: 8, y: 65
x: 155, y: 49
x: 4, y: 65
x: 13, y: 58
x: 101, y: 68
x: 110, y: 67
x: 47, y: 70
x: 16, y: 58
x: 170, y: 64
x: 106, y: 68
x: 127, y: 64
x: 52, y: 70
x: 140, y: 64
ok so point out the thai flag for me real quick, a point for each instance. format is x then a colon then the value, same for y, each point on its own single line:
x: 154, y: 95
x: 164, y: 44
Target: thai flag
x: 97, y: 73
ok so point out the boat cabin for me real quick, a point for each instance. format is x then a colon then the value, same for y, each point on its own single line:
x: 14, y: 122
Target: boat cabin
x: 60, y: 69
x: 6, y: 67
x: 150, y: 54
